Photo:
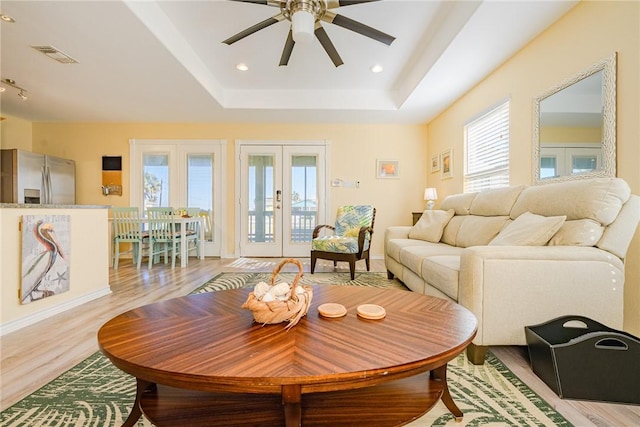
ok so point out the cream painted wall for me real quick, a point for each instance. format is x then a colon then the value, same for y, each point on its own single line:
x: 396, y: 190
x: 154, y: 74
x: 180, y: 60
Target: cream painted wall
x: 589, y: 32
x: 354, y: 150
x: 89, y: 265
x: 15, y: 133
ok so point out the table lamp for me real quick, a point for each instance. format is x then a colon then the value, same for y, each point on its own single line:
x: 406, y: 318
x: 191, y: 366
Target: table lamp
x: 430, y: 195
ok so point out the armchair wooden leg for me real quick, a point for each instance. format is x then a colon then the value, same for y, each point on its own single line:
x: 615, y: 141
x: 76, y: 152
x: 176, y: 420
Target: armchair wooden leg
x: 313, y: 262
x: 477, y: 353
x: 366, y: 260
x: 352, y: 269
x: 390, y: 275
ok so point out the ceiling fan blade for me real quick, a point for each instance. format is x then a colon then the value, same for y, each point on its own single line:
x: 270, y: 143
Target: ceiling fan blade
x: 333, y: 4
x: 288, y: 48
x: 274, y: 3
x: 324, y: 40
x: 358, y: 27
x: 259, y: 26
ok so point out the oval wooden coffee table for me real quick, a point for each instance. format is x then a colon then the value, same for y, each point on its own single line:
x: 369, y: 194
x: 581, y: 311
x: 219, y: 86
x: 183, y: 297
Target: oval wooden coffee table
x: 200, y: 360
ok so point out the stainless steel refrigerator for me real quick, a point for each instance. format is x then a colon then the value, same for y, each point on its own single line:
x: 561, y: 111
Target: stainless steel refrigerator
x: 27, y: 177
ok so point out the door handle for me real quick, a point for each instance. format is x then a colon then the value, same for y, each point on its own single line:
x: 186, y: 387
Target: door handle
x: 278, y: 196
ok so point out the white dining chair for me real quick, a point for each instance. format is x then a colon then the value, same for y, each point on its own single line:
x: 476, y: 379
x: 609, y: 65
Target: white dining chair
x: 127, y: 228
x: 193, y: 230
x: 163, y: 239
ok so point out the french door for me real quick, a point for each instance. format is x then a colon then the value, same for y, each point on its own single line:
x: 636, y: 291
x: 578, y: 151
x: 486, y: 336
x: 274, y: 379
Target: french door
x: 281, y: 197
x: 180, y: 174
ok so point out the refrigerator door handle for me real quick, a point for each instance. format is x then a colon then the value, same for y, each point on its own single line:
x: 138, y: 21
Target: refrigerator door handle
x: 48, y: 194
x: 43, y: 174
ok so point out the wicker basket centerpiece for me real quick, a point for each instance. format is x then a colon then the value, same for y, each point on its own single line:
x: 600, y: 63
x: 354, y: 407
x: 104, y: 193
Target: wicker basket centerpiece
x: 276, y: 303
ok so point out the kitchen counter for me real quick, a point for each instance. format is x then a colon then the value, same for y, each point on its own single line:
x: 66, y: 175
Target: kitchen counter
x: 37, y: 206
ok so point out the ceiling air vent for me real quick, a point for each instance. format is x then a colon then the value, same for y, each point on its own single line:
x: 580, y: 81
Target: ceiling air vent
x: 54, y: 53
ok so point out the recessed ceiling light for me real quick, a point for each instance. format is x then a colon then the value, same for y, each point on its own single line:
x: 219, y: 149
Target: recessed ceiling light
x: 377, y: 68
x: 242, y: 66
x: 7, y: 18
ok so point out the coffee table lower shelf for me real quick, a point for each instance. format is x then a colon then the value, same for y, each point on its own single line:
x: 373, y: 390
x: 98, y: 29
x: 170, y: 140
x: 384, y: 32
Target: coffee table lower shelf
x: 393, y: 403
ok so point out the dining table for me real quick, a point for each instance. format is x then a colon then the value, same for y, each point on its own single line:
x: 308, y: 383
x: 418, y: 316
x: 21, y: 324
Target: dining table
x: 182, y: 223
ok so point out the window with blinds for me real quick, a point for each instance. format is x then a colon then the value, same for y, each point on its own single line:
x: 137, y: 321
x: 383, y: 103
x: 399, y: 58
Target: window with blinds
x: 486, y: 141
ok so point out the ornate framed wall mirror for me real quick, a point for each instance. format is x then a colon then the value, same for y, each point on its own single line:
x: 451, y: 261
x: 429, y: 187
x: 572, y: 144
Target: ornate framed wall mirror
x: 574, y: 131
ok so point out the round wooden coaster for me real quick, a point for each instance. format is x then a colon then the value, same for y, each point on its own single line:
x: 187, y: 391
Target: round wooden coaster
x: 371, y: 311
x: 332, y: 309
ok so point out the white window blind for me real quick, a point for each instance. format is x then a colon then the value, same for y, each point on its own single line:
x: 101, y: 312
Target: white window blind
x: 487, y: 151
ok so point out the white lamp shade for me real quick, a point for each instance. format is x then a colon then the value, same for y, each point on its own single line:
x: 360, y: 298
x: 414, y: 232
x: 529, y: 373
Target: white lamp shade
x: 430, y: 194
x: 303, y: 23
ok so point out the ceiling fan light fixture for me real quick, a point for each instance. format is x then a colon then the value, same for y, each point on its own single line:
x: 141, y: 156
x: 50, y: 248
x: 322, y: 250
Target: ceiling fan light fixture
x: 303, y: 24
x: 7, y: 18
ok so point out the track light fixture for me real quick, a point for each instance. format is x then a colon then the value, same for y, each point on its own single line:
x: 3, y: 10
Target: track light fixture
x: 22, y: 93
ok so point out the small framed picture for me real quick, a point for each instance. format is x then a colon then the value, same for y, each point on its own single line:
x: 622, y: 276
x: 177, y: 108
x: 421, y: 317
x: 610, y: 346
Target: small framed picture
x: 387, y: 169
x: 446, y: 164
x: 435, y: 163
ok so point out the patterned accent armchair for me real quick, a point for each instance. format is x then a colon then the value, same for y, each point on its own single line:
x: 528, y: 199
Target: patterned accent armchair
x: 350, y: 239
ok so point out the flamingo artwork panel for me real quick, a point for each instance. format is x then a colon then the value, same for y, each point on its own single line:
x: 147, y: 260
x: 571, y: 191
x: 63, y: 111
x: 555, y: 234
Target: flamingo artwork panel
x: 46, y: 256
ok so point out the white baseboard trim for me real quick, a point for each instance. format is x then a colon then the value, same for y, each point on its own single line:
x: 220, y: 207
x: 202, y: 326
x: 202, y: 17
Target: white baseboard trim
x: 17, y: 324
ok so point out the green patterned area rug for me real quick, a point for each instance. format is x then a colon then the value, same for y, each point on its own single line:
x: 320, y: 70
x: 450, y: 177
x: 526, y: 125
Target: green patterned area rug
x: 95, y: 393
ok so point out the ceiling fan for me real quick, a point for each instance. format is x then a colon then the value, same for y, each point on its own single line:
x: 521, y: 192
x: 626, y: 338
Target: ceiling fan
x: 305, y: 17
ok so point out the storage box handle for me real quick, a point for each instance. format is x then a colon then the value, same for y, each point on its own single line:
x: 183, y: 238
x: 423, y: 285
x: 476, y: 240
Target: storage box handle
x: 576, y: 324
x: 611, y: 344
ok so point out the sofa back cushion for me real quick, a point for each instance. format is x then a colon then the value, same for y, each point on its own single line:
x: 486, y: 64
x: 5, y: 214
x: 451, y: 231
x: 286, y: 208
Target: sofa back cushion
x: 470, y: 230
x: 598, y: 199
x: 460, y: 203
x: 496, y: 202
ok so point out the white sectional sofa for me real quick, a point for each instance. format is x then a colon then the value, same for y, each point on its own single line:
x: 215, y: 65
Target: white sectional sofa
x: 522, y: 255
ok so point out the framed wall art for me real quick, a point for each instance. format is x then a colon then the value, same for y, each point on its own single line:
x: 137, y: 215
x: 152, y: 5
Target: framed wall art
x: 387, y: 169
x: 435, y: 163
x: 45, y: 256
x: 446, y: 164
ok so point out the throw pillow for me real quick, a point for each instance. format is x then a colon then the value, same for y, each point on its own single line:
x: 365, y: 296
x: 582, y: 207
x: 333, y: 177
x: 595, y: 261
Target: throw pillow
x: 431, y: 225
x: 529, y: 230
x: 581, y: 232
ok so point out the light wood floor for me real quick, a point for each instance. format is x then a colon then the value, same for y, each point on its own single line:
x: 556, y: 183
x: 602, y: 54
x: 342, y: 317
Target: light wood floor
x: 35, y: 355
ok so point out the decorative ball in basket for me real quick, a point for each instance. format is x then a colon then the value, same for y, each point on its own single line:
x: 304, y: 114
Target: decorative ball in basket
x: 276, y: 303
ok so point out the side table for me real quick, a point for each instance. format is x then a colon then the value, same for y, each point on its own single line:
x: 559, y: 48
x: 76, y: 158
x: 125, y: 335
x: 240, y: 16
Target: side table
x: 416, y: 216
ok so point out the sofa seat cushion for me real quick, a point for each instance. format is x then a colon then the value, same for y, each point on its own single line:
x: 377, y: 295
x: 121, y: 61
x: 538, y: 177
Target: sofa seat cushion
x: 412, y: 257
x: 394, y: 246
x: 337, y: 244
x: 441, y: 272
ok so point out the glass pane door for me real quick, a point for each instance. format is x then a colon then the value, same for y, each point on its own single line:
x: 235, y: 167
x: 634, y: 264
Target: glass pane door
x: 261, y: 200
x: 200, y: 188
x: 182, y: 174
x: 304, y: 178
x: 281, y: 190
x: 155, y: 180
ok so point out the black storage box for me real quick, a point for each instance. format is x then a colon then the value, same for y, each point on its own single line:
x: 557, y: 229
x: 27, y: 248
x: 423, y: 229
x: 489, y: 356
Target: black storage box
x: 580, y: 358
